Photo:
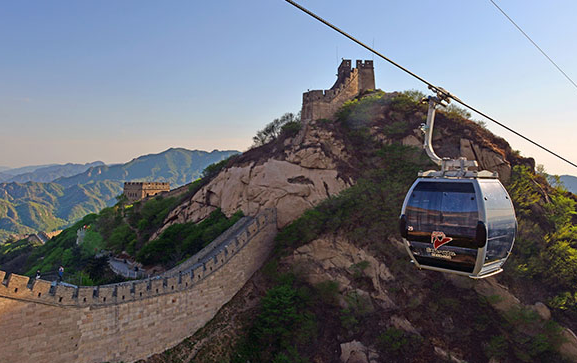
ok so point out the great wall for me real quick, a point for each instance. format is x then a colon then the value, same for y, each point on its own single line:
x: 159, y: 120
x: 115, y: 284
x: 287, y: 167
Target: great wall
x: 132, y: 320
x: 323, y: 104
x: 129, y: 321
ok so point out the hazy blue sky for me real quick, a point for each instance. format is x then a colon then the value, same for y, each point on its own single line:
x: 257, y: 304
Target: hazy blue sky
x: 110, y: 80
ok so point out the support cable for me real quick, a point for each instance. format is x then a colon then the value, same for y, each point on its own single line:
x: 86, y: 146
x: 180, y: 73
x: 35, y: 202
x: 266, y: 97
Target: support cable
x: 431, y: 86
x: 535, y: 44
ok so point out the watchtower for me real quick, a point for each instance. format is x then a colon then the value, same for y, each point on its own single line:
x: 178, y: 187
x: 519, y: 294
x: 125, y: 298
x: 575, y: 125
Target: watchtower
x: 138, y: 190
x: 351, y: 82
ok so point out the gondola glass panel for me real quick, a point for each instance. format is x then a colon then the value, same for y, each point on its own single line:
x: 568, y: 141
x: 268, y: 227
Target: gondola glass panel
x: 501, y: 222
x: 446, y: 213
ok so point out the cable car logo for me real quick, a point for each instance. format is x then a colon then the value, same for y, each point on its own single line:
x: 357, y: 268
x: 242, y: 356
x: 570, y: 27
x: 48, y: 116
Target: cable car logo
x: 439, y: 239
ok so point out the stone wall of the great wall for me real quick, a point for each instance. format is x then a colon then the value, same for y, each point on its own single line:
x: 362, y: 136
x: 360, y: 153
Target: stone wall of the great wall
x: 320, y: 104
x: 129, y: 321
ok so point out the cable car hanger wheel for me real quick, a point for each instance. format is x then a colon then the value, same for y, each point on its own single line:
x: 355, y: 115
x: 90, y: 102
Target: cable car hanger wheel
x: 456, y: 220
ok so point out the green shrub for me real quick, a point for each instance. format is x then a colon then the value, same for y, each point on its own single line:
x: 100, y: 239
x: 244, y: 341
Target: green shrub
x: 180, y: 241
x: 284, y: 323
x: 274, y: 129
x: 497, y: 347
x: 328, y: 292
x: 358, y: 308
x: 398, y: 343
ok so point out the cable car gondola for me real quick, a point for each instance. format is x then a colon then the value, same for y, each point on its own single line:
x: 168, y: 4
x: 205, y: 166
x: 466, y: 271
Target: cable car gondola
x: 456, y: 220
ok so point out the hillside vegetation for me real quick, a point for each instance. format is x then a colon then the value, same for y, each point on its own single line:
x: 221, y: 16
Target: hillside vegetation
x: 120, y: 229
x: 32, y: 206
x: 340, y: 277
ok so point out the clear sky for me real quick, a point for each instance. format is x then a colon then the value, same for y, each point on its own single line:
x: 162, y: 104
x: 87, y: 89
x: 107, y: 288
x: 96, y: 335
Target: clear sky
x: 111, y: 80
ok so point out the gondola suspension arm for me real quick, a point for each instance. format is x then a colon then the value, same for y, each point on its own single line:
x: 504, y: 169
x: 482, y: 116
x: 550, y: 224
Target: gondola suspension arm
x: 427, y: 128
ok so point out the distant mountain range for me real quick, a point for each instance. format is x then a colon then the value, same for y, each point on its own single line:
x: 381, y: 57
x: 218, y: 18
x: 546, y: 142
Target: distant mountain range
x: 36, y: 206
x: 176, y: 165
x: 570, y: 182
x: 45, y: 174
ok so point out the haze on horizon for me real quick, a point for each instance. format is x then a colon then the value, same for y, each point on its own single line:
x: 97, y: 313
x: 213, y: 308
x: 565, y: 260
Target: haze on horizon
x: 86, y: 81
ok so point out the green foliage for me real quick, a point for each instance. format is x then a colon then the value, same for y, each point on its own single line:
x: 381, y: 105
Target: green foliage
x: 396, y: 128
x: 354, y: 314
x: 31, y: 207
x: 398, y: 343
x: 414, y: 95
x: 358, y: 269
x: 523, y: 189
x: 181, y: 241
x: 93, y: 242
x: 122, y: 238
x: 284, y: 325
x: 456, y: 113
x: 545, y: 246
x: 288, y: 122
x: 497, y: 347
x: 12, y: 249
x: 151, y: 214
x: 533, y: 339
x: 213, y: 169
x: 560, y: 211
x: 291, y: 128
x: 358, y: 112
x: 328, y: 292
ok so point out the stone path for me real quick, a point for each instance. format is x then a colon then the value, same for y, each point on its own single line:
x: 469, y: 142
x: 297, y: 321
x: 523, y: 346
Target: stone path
x: 125, y: 269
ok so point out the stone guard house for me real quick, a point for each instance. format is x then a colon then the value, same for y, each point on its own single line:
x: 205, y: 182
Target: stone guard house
x: 323, y: 104
x: 135, y: 191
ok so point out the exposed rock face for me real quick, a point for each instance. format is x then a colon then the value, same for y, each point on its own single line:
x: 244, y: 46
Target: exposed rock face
x: 488, y: 159
x: 297, y: 173
x: 326, y: 258
x: 354, y: 352
x: 298, y: 178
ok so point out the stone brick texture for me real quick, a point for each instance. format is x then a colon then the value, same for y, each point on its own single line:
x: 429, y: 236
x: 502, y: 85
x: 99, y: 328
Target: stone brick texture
x: 323, y: 104
x: 132, y: 320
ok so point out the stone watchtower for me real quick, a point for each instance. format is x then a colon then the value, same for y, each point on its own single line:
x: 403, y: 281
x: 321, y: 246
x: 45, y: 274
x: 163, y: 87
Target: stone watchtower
x: 135, y: 191
x: 350, y: 83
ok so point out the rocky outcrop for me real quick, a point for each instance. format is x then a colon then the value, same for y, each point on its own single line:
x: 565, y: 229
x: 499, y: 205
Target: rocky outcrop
x: 299, y: 176
x: 326, y: 259
x: 488, y: 159
x: 355, y: 352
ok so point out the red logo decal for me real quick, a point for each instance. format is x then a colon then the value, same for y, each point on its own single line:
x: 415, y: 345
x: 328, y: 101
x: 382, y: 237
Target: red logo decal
x: 439, y: 239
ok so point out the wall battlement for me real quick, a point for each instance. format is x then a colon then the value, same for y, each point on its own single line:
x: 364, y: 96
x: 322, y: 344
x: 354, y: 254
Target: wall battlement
x: 181, y: 277
x: 351, y: 82
x: 131, y: 320
x: 138, y: 190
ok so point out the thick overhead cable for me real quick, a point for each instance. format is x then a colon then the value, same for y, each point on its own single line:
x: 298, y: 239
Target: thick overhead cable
x: 431, y: 86
x: 535, y: 44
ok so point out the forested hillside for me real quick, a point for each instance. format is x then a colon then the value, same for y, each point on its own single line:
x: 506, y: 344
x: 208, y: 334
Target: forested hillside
x: 120, y: 229
x: 176, y: 166
x: 32, y: 206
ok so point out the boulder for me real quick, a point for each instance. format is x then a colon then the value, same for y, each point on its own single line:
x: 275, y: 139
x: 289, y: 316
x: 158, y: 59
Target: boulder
x: 354, y: 352
x: 542, y: 310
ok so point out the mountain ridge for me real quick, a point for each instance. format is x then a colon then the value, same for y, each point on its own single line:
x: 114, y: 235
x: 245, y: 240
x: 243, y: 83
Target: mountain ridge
x: 47, y: 174
x: 33, y: 206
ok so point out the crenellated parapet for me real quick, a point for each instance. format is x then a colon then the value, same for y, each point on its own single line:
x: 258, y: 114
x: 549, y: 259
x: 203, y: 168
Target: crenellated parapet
x: 182, y: 277
x: 351, y: 82
x: 129, y: 321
